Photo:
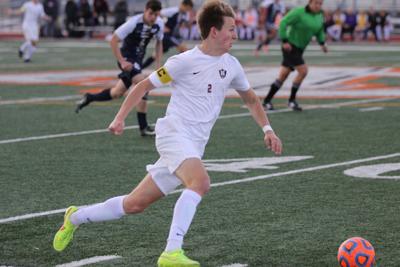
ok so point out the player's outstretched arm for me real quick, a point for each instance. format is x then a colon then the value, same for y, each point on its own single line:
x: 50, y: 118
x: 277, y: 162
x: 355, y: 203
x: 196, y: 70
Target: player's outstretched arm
x: 253, y: 103
x: 134, y: 96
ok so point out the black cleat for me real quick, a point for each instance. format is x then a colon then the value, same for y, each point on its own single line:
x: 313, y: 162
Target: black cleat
x: 82, y: 103
x: 295, y: 106
x: 148, y: 131
x: 27, y: 60
x: 20, y: 53
x: 268, y: 106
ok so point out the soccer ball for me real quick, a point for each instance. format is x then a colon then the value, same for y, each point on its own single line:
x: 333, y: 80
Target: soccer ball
x: 356, y: 252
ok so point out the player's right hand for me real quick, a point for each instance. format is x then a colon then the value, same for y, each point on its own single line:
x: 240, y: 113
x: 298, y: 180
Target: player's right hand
x: 126, y: 65
x: 116, y: 127
x: 287, y: 47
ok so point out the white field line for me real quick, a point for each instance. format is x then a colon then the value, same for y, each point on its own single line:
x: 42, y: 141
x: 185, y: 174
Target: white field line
x: 370, y: 109
x: 88, y: 261
x: 243, y: 180
x: 39, y: 100
x: 51, y: 136
x: 235, y: 265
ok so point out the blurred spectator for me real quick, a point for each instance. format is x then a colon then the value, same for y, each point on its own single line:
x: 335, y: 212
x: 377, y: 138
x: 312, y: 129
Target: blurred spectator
x: 349, y: 24
x: 100, y: 11
x: 86, y: 13
x: 383, y: 26
x: 51, y: 9
x: 362, y: 25
x: 239, y: 23
x: 328, y: 20
x: 250, y: 20
x: 372, y: 16
x: 120, y: 13
x: 335, y: 31
x: 71, y: 18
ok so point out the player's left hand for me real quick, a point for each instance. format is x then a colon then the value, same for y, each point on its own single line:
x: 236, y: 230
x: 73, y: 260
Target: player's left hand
x: 116, y: 127
x: 324, y: 48
x: 273, y: 142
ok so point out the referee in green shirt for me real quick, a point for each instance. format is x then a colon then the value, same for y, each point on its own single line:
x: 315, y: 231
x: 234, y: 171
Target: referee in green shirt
x: 296, y: 31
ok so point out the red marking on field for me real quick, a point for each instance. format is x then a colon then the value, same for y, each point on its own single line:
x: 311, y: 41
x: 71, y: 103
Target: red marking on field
x: 395, y: 70
x: 88, y: 81
x: 366, y: 83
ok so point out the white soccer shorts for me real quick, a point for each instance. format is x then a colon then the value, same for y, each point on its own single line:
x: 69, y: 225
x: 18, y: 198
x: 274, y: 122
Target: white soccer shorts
x: 31, y: 32
x: 174, y: 148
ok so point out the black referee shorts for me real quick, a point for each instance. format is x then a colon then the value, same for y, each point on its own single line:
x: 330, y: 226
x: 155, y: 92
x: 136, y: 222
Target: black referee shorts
x: 292, y: 58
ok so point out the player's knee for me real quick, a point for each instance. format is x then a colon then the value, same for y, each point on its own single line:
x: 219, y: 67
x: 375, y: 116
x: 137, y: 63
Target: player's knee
x: 201, y: 186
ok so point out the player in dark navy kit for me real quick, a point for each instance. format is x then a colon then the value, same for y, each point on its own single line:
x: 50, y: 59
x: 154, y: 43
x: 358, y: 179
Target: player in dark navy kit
x: 135, y: 35
x: 176, y: 16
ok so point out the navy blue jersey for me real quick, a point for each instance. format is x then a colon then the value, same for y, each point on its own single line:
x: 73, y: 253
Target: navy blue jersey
x: 136, y: 35
x: 174, y: 19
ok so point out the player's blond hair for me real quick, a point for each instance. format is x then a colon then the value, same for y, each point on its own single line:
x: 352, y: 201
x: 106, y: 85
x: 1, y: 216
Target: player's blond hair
x: 212, y: 14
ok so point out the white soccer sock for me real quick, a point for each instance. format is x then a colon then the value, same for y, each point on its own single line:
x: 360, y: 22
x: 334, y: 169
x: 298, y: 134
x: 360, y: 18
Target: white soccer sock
x: 111, y: 209
x: 184, y: 211
x: 24, y: 46
x: 30, y: 49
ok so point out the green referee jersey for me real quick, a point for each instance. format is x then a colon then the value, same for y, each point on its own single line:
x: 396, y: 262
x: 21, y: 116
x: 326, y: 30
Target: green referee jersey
x: 300, y: 25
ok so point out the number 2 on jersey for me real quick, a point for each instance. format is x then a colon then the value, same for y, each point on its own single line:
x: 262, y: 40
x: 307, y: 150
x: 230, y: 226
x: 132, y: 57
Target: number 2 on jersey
x: 209, y: 88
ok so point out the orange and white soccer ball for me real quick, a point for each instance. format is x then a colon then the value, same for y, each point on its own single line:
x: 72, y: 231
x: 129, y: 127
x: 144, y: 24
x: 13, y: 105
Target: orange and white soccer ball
x: 356, y: 252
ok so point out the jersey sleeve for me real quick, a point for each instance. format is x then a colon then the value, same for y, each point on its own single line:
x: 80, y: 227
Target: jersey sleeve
x: 42, y: 13
x: 240, y: 81
x: 169, y: 12
x: 167, y: 73
x: 160, y: 34
x: 24, y: 6
x: 126, y: 28
x: 321, y: 36
x: 291, y: 18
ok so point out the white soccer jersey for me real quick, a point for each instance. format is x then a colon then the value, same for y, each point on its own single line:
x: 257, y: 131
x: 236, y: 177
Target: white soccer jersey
x: 199, y: 83
x: 32, y: 14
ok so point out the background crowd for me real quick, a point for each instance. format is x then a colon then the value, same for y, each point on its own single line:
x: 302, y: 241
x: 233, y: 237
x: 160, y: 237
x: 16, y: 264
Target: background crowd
x: 79, y: 18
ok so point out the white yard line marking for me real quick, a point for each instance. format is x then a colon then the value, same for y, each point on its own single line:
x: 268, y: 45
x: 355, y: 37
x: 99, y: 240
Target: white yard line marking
x: 235, y: 265
x: 370, y: 109
x: 51, y: 136
x: 39, y: 100
x: 243, y: 180
x: 88, y: 261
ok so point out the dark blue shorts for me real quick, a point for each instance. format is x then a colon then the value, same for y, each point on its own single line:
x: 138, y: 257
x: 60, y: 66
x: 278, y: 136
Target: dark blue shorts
x: 126, y: 76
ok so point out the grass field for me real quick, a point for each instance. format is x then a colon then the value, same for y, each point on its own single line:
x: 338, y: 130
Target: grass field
x: 258, y: 213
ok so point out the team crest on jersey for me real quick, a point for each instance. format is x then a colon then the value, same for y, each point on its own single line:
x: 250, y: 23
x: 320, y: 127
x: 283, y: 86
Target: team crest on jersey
x: 222, y: 73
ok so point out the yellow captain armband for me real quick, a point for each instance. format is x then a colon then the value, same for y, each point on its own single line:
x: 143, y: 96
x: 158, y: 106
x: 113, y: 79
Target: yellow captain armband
x: 163, y: 75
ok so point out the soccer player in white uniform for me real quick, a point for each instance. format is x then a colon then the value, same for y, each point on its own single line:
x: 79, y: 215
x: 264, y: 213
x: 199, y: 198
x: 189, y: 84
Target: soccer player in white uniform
x: 199, y: 78
x: 33, y: 11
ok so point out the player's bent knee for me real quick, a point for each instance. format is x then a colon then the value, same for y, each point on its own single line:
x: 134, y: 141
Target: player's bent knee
x: 201, y: 187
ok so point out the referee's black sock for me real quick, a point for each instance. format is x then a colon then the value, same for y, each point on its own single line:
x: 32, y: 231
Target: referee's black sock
x: 104, y: 95
x: 148, y: 62
x: 274, y: 88
x: 295, y: 88
x: 142, y: 120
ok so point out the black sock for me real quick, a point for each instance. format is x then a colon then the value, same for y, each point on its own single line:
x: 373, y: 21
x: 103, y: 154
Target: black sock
x: 274, y: 88
x: 104, y: 95
x: 148, y: 62
x: 142, y: 120
x: 295, y: 88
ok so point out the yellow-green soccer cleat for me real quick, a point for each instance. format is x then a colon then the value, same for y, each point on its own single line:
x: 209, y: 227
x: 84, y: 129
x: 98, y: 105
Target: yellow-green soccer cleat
x: 66, y: 232
x: 176, y: 258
